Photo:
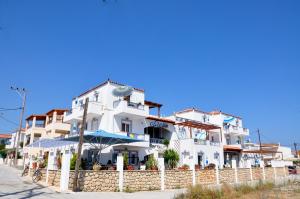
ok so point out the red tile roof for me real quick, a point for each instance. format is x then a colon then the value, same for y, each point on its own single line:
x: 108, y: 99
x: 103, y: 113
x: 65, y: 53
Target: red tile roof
x: 8, y: 136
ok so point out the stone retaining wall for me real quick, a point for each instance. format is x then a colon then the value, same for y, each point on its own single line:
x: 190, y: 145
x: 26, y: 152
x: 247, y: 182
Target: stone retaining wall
x: 280, y: 172
x: 227, y: 176
x: 141, y: 180
x: 175, y: 179
x: 244, y: 175
x: 206, y: 177
x: 257, y: 173
x: 54, y: 178
x: 96, y: 180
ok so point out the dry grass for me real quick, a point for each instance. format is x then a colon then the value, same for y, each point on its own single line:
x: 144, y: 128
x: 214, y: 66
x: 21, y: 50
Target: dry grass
x: 260, y: 191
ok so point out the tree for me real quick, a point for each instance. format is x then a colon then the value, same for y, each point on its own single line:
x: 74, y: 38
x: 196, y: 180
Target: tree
x: 171, y: 158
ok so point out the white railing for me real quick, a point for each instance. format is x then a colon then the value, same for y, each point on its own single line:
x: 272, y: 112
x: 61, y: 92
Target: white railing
x: 200, y: 142
x: 156, y: 141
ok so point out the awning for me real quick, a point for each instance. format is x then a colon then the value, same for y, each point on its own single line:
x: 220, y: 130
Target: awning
x: 198, y: 125
x: 232, y: 148
x: 103, y: 137
x: 159, y: 119
x: 260, y: 151
x: 49, y: 143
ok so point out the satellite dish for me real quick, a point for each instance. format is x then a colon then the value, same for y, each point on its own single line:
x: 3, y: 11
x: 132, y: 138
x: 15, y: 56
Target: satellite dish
x: 122, y: 91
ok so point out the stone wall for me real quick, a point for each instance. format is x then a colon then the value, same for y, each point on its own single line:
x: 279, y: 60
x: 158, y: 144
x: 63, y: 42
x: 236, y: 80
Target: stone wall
x: 175, y: 179
x: 280, y: 172
x: 257, y: 173
x: 244, y: 175
x: 269, y: 172
x: 97, y: 181
x: 90, y: 181
x: 227, y: 176
x: 206, y: 177
x: 54, y: 178
x: 141, y: 180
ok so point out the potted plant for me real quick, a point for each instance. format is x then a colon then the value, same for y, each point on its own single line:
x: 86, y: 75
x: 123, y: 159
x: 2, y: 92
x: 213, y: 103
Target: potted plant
x: 171, y: 158
x: 125, y: 160
x: 130, y: 167
x: 151, y: 164
x: 184, y: 167
x: 96, y: 166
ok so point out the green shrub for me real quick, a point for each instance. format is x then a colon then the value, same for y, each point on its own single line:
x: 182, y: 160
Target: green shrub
x: 166, y: 142
x: 73, y: 161
x: 125, y: 160
x: 151, y: 164
x: 171, y: 158
x: 3, y: 153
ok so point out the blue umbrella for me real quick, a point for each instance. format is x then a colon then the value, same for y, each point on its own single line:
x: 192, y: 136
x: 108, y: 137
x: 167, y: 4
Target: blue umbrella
x: 102, y: 137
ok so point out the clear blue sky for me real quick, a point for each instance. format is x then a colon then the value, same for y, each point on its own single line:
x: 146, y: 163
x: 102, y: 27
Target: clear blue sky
x: 242, y: 57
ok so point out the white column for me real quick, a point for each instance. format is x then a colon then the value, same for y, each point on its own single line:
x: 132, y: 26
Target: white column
x: 161, y: 167
x: 65, y: 170
x: 217, y: 175
x: 120, y: 165
x: 264, y: 173
x: 251, y: 174
x: 275, y: 174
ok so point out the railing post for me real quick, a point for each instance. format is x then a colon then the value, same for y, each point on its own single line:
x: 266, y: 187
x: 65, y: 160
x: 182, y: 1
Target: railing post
x: 236, y: 175
x: 120, y: 164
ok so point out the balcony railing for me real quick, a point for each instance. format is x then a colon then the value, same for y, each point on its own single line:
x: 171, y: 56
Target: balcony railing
x: 156, y: 141
x: 200, y: 142
x: 129, y: 104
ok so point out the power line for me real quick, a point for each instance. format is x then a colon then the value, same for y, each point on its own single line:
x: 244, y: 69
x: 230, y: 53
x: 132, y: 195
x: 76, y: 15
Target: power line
x: 10, y: 109
x: 7, y: 120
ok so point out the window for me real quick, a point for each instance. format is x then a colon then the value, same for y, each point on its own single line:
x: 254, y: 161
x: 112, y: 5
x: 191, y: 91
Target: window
x: 228, y: 140
x: 126, y: 126
x: 94, y: 124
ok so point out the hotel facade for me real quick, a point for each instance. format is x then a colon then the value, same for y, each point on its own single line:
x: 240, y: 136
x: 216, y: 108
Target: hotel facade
x: 200, y: 138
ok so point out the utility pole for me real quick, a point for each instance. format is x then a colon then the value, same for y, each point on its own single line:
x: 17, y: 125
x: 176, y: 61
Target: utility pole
x: 296, y: 152
x: 22, y: 94
x: 260, y: 149
x: 78, y: 161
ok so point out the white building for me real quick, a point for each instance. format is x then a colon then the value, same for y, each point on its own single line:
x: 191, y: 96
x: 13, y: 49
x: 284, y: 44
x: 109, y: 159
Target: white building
x: 270, y: 154
x: 199, y: 137
x: 127, y: 116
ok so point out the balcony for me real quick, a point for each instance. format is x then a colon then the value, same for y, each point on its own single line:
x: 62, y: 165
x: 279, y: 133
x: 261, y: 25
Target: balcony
x: 125, y: 108
x: 58, y: 127
x: 143, y: 137
x: 237, y: 130
x: 206, y: 142
x: 95, y: 109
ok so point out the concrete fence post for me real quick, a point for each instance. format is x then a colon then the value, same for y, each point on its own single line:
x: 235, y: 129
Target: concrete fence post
x: 161, y: 166
x: 65, y: 170
x: 275, y: 174
x: 236, y: 175
x: 251, y: 173
x: 217, y: 175
x: 264, y: 173
x: 120, y: 168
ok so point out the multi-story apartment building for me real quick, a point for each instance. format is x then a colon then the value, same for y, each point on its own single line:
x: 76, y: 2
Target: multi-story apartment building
x: 233, y: 136
x: 49, y: 125
x: 199, y: 141
x: 127, y: 116
x: 13, y: 140
x: 199, y: 137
